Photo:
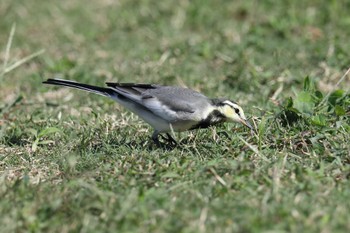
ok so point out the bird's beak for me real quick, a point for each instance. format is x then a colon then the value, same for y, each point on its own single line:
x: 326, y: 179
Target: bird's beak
x: 246, y: 123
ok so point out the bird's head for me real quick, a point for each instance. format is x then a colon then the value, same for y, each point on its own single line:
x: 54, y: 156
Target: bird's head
x: 232, y: 112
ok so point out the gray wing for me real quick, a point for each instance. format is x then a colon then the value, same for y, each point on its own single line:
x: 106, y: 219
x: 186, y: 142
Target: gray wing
x: 166, y: 102
x: 177, y: 98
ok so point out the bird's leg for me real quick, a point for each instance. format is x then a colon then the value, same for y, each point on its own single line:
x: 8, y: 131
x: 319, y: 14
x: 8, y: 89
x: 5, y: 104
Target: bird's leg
x: 168, y: 138
x: 155, y: 138
x: 171, y: 139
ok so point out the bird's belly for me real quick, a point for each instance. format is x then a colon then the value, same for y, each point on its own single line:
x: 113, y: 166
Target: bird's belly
x: 159, y: 124
x: 156, y: 122
x: 183, y: 125
x: 163, y: 126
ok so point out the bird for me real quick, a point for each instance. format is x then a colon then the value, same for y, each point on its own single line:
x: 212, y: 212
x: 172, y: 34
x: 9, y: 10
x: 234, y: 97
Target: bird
x: 167, y: 109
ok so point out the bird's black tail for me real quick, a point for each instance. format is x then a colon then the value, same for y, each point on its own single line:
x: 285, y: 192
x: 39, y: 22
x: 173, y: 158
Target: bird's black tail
x: 94, y: 89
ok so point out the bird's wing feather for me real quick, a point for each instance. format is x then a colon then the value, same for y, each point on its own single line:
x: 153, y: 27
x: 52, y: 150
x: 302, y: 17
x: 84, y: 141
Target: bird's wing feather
x: 174, y: 102
x: 133, y: 85
x: 165, y: 101
x: 159, y: 109
x: 178, y: 99
x: 132, y: 91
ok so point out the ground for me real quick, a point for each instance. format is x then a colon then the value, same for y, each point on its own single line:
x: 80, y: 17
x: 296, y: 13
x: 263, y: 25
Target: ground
x: 77, y: 162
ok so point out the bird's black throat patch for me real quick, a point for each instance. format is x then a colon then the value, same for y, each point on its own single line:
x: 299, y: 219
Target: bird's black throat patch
x: 213, y: 118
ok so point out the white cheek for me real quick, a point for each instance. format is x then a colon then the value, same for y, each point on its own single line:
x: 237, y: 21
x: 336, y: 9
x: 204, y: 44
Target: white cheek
x: 236, y: 118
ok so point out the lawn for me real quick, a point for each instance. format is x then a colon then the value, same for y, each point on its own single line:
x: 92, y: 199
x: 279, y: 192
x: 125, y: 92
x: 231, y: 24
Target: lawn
x: 77, y: 162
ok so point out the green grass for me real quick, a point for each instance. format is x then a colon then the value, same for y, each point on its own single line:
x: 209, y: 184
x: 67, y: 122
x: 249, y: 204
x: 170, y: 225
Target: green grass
x: 77, y: 162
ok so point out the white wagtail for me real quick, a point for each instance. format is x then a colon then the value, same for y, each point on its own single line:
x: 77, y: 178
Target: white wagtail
x: 166, y: 108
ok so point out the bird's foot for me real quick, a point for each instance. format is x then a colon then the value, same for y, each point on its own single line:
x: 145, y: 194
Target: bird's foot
x: 170, y: 142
